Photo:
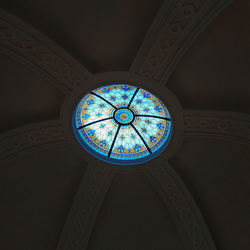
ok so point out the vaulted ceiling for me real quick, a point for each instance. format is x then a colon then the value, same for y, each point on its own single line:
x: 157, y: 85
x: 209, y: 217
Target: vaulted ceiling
x: 195, y: 195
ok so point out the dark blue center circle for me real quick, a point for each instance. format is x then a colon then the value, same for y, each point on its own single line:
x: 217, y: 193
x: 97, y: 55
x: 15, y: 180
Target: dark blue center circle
x: 124, y: 116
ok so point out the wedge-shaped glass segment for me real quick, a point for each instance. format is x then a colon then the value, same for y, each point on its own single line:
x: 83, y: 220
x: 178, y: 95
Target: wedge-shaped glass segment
x: 154, y: 131
x: 92, y: 108
x: 118, y: 95
x: 128, y: 145
x: 146, y: 103
x: 99, y: 136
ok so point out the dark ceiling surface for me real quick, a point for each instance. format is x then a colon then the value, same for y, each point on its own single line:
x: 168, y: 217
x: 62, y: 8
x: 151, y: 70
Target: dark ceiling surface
x: 38, y: 188
x: 103, y: 35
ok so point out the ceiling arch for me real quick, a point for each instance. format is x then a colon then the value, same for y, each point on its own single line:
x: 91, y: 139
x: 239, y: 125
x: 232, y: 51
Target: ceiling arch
x: 25, y: 44
x: 174, y: 29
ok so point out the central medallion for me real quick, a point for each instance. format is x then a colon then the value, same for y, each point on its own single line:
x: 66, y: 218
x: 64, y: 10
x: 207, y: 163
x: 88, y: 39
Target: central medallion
x: 124, y: 116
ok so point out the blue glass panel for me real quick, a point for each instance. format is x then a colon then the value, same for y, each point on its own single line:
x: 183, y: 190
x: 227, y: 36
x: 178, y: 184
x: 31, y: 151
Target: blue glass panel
x: 154, y: 131
x: 117, y: 94
x: 99, y: 136
x: 128, y: 145
x: 146, y: 103
x: 92, y: 108
x: 122, y: 124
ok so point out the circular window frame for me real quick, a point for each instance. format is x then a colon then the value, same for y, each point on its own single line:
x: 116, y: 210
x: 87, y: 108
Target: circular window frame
x: 154, y: 87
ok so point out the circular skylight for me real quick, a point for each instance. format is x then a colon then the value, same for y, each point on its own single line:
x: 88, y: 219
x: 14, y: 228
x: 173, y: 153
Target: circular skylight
x: 122, y: 124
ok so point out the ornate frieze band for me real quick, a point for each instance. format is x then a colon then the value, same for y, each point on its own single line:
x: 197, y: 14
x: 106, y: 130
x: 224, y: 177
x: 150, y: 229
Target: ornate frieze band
x: 29, y: 137
x: 224, y: 125
x: 180, y: 204
x: 21, y: 42
x: 85, y: 208
x: 176, y: 26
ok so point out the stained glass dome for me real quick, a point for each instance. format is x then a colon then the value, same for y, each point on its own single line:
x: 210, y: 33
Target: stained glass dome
x: 122, y: 124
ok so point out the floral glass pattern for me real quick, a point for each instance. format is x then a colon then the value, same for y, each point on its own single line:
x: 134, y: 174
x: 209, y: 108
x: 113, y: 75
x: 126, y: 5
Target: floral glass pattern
x: 122, y: 124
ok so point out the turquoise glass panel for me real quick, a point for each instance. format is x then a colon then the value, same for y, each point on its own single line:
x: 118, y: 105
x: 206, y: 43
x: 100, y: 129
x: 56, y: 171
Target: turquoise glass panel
x: 122, y: 124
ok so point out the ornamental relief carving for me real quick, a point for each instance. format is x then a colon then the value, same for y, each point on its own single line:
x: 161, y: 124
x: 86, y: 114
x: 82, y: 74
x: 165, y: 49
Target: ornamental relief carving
x: 175, y: 28
x: 36, y: 50
x: 29, y: 137
x: 233, y: 126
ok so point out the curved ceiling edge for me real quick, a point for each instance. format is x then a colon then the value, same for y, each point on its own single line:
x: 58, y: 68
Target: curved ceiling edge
x: 29, y: 137
x: 217, y: 124
x: 23, y: 43
x: 185, y: 213
x: 85, y: 209
x: 174, y: 29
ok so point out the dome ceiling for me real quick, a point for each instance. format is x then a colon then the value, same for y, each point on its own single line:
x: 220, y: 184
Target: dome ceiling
x: 192, y: 55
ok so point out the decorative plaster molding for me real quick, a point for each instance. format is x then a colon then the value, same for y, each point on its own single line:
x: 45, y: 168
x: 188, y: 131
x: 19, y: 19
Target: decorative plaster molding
x: 29, y: 137
x: 175, y: 28
x: 215, y: 124
x: 179, y: 202
x: 85, y: 208
x: 21, y: 42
